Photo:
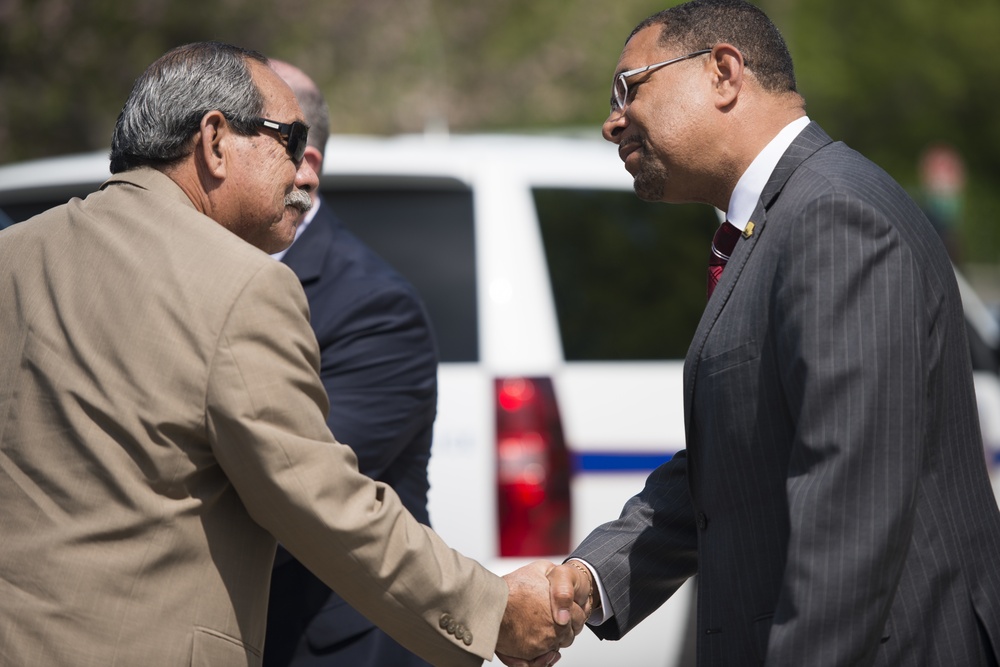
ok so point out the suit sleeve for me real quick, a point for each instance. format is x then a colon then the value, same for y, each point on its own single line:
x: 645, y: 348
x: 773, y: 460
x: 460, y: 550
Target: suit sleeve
x: 852, y: 317
x: 265, y: 409
x: 379, y: 367
x: 644, y: 556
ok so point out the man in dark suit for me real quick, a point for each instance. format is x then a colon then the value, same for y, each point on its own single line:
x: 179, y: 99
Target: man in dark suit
x: 379, y: 367
x: 833, y: 496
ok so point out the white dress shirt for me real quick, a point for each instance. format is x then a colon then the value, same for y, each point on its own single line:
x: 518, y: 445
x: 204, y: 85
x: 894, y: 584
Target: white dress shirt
x: 748, y: 189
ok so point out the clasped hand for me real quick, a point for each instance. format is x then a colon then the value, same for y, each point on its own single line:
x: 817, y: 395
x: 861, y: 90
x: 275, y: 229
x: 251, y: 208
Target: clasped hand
x: 546, y: 609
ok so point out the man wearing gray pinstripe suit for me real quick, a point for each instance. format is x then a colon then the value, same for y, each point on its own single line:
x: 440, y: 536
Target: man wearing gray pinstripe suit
x: 833, y: 497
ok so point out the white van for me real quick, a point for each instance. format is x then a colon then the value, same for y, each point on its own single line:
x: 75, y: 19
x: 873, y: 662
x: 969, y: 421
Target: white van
x: 563, y: 308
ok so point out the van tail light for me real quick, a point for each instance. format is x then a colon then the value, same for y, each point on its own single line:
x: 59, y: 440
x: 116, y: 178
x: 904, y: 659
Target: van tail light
x: 533, y: 469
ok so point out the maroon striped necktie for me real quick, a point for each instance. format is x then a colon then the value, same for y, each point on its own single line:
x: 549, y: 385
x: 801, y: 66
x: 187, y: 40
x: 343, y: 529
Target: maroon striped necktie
x: 722, y: 247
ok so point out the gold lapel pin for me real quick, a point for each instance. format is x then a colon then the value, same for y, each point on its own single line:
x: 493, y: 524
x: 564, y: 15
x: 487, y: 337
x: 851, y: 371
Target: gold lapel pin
x: 748, y: 230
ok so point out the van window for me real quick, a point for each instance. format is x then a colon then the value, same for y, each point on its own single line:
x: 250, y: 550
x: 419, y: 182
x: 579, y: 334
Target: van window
x: 422, y: 227
x: 628, y: 276
x: 427, y: 234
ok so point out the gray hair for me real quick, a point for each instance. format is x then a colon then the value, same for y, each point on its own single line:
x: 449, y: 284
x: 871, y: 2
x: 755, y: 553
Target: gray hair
x: 168, y: 101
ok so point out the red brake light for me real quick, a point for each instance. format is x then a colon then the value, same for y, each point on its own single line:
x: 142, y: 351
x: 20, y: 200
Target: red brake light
x: 533, y: 469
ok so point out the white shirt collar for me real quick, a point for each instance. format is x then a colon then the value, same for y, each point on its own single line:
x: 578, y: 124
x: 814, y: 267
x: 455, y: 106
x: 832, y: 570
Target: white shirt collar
x: 747, y: 192
x: 298, y: 230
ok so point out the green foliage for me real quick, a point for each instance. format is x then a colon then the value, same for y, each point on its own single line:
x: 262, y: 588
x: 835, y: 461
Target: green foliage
x: 892, y: 78
x: 889, y: 77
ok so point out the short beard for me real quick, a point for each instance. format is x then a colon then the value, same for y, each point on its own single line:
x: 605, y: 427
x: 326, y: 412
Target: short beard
x: 299, y: 199
x: 649, y: 181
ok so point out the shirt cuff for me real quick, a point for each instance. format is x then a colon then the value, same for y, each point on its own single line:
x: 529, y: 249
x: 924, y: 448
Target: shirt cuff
x: 605, y: 612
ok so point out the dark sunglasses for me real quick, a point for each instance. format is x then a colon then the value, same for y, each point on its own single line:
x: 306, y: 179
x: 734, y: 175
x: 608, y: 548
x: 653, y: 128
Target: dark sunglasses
x: 294, y: 136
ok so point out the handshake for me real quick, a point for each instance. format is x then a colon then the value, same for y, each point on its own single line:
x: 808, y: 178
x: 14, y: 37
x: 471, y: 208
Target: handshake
x: 546, y: 609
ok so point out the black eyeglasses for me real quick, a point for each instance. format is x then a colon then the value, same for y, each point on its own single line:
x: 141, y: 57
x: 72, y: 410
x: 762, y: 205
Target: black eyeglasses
x: 294, y: 136
x: 619, y: 92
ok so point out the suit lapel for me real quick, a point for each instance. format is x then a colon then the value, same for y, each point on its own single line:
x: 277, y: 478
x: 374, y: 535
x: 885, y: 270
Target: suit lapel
x: 810, y: 140
x: 738, y: 259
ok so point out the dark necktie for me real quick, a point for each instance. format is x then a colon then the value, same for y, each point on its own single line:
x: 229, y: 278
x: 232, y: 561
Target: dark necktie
x: 722, y: 247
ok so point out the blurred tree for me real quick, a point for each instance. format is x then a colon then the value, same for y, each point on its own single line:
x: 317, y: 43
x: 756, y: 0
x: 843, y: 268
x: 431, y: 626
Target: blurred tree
x: 386, y: 66
x: 890, y: 78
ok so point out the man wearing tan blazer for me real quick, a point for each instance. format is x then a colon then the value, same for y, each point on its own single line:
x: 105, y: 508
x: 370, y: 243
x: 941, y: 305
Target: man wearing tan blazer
x: 162, y: 422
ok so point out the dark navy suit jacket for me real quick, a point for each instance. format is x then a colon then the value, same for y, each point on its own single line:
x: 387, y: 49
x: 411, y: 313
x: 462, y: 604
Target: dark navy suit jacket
x: 379, y: 367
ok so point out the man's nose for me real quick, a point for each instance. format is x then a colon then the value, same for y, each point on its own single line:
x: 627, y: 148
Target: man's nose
x: 614, y: 126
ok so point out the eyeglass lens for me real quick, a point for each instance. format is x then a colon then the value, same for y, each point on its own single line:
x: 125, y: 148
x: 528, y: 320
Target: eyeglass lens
x: 621, y: 90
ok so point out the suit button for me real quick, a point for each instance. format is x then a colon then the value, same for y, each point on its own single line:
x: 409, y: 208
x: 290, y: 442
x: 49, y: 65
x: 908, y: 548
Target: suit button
x: 702, y: 521
x: 467, y: 638
x: 451, y: 626
x: 445, y: 620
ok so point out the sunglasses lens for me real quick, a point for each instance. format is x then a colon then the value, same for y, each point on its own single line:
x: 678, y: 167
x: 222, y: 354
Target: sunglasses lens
x: 297, y: 138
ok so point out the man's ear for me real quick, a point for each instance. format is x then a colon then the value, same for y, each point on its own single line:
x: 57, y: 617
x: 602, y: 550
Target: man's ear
x: 211, y: 143
x: 729, y: 67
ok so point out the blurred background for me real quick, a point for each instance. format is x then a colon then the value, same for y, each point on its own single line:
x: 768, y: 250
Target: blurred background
x: 910, y: 83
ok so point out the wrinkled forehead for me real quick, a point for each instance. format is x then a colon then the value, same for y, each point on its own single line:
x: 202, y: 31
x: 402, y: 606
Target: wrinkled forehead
x: 279, y: 100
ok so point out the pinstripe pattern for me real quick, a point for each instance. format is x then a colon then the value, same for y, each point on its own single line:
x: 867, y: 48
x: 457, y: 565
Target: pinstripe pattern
x: 837, y: 505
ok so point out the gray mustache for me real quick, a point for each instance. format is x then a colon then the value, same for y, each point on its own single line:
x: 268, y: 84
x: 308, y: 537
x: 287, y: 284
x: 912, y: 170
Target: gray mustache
x: 299, y: 199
